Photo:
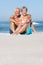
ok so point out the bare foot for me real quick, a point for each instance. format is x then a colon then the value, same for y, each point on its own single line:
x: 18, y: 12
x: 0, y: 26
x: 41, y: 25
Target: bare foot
x: 14, y: 33
x: 36, y: 32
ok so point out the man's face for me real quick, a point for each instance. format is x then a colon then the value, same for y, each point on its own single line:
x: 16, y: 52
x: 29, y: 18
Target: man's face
x: 17, y: 12
x: 24, y: 11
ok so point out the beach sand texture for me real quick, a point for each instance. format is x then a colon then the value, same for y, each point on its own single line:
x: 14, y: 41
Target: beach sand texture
x: 21, y: 49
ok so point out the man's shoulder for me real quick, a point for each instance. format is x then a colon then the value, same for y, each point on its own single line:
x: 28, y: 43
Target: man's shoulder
x: 29, y: 15
x: 12, y: 17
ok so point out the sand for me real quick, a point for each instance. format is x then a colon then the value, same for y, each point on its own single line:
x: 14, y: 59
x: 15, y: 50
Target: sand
x: 21, y: 49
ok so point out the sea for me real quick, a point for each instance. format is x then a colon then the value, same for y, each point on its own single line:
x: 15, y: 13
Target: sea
x: 5, y: 26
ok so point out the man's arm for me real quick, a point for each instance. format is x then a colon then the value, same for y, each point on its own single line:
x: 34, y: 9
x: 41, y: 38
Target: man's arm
x: 14, y: 21
x: 31, y: 24
x: 28, y: 18
x: 33, y: 28
x: 11, y: 19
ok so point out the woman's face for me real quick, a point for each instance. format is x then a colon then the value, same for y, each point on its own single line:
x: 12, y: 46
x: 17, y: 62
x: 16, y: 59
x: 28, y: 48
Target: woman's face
x: 24, y: 11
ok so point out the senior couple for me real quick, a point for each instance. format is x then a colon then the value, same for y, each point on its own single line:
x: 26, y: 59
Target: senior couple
x: 20, y: 22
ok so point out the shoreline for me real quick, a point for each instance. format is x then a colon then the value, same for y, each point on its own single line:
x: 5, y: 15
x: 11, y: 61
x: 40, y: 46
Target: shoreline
x: 23, y: 34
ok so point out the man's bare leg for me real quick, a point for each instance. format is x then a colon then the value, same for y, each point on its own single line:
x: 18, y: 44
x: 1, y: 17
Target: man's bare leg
x: 12, y: 26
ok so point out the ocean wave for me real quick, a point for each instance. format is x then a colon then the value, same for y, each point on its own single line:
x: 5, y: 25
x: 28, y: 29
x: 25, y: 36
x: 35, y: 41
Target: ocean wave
x: 36, y: 23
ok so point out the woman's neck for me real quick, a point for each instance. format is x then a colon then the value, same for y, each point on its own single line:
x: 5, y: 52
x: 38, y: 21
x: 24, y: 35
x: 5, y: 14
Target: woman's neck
x: 24, y: 15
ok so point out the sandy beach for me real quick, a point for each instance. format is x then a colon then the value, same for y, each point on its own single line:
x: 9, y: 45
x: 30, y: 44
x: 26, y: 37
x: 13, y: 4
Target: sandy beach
x: 21, y: 49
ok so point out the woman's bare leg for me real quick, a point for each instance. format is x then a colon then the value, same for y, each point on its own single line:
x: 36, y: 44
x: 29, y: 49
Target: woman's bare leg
x: 18, y: 28
x: 22, y: 29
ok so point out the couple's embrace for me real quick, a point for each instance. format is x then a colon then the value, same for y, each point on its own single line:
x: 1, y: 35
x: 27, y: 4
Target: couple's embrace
x: 20, y: 22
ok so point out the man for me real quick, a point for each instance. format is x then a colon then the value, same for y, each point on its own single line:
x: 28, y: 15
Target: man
x: 14, y: 20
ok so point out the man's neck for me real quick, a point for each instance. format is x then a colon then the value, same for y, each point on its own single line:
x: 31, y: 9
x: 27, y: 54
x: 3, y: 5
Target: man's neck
x: 17, y: 16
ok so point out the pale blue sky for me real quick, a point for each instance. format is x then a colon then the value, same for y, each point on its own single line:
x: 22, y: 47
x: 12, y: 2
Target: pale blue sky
x: 35, y: 7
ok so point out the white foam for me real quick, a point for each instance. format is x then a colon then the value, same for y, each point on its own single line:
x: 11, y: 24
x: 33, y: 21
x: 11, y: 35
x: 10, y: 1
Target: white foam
x: 35, y: 23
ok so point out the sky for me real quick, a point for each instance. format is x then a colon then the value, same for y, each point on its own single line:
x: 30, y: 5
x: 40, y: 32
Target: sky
x: 7, y: 7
